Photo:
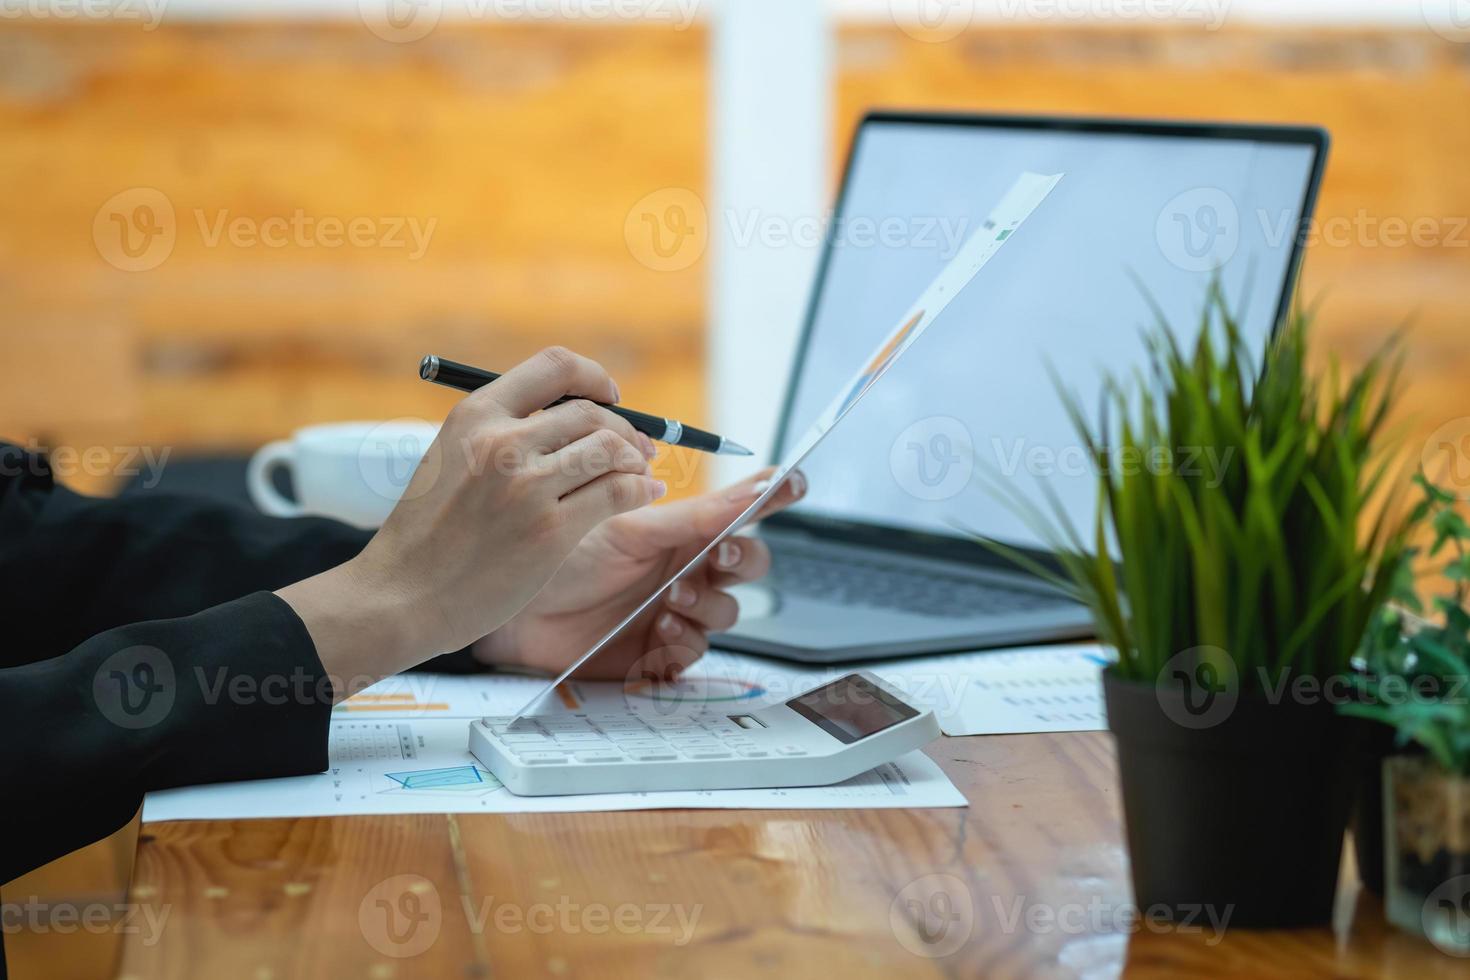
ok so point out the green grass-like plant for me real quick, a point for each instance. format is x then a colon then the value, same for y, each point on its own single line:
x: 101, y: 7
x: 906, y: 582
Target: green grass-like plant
x: 1275, y: 553
x: 1418, y: 673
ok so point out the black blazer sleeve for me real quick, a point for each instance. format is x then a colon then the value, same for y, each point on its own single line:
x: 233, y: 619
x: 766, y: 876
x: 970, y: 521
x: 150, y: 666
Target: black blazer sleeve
x: 149, y: 706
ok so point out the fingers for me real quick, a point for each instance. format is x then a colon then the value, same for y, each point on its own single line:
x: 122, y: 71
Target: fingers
x: 608, y: 495
x: 739, y: 559
x: 696, y: 520
x: 677, y: 645
x: 590, y: 458
x: 560, y: 426
x: 707, y: 607
x: 535, y: 383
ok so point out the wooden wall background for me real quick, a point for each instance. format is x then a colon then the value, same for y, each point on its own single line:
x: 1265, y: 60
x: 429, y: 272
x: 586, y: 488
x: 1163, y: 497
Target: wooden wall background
x: 530, y: 146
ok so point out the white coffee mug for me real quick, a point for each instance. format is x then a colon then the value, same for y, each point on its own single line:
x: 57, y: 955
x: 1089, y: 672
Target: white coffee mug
x: 352, y: 471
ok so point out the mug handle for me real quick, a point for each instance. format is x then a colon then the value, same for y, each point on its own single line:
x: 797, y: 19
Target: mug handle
x: 263, y: 493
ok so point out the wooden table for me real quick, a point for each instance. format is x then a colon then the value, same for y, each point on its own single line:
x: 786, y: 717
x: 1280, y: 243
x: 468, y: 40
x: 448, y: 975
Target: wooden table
x: 1031, y: 880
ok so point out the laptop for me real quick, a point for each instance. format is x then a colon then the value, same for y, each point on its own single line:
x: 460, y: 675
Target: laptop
x: 880, y: 558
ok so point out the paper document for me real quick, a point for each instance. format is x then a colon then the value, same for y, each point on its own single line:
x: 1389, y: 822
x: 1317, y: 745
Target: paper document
x: 1024, y: 197
x: 998, y: 692
x: 387, y: 766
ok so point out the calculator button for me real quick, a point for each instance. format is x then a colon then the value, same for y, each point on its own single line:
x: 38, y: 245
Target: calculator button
x: 631, y: 734
x: 599, y: 757
x: 714, y: 753
x: 792, y: 750
x: 652, y: 755
x: 752, y: 753
x: 578, y: 738
x: 542, y: 758
x: 513, y: 739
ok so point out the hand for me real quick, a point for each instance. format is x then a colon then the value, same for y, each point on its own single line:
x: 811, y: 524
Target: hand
x: 618, y: 565
x: 503, y: 496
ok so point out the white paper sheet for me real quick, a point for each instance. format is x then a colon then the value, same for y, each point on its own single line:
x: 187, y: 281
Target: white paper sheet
x: 416, y: 765
x: 1023, y: 198
x: 997, y: 692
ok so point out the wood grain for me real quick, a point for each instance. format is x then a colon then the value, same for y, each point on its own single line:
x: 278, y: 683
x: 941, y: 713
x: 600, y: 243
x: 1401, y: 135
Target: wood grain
x: 782, y: 893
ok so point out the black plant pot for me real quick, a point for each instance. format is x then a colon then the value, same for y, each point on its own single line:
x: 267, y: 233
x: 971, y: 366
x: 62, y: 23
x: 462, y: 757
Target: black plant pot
x: 1238, y: 806
x: 1377, y: 744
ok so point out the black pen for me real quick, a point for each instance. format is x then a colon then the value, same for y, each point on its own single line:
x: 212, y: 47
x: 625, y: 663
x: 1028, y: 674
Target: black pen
x: 462, y: 377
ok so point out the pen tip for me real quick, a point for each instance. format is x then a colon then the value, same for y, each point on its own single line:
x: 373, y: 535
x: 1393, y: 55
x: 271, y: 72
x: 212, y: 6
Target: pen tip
x: 729, y: 448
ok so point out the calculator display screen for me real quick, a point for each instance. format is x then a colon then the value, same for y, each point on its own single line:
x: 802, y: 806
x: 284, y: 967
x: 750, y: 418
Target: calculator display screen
x: 851, y: 708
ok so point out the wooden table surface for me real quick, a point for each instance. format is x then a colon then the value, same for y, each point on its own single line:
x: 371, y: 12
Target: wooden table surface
x: 1030, y: 880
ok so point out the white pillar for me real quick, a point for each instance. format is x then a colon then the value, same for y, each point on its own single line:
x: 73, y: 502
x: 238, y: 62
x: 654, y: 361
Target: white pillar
x: 768, y: 170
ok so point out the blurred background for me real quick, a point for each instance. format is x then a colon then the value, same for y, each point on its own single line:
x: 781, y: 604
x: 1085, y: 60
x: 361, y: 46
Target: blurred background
x: 224, y: 220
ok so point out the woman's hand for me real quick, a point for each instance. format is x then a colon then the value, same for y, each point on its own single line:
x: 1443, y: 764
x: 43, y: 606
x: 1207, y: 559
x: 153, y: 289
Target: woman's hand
x: 618, y: 565
x: 501, y: 499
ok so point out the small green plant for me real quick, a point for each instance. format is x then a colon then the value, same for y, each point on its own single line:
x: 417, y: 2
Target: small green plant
x: 1417, y: 676
x: 1236, y: 506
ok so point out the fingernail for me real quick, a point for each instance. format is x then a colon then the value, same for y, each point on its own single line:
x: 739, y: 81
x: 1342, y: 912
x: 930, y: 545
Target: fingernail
x: 617, y: 393
x: 672, y: 674
x: 761, y: 487
x: 728, y: 554
x: 649, y: 449
x: 660, y: 488
x: 743, y: 494
x: 682, y: 594
x: 798, y: 483
x: 669, y: 625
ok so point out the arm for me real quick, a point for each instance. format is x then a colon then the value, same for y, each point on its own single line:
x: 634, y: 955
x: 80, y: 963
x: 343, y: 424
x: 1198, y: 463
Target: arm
x: 149, y: 706
x: 96, y: 564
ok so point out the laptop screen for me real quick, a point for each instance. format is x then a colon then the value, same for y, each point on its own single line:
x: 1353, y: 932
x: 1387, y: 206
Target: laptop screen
x: 1137, y: 219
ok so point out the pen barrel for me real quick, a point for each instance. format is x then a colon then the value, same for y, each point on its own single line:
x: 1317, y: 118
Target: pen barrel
x: 653, y: 426
x: 706, y: 442
x: 453, y: 374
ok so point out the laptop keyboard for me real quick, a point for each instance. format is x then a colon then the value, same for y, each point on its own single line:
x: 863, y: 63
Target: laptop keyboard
x: 851, y: 580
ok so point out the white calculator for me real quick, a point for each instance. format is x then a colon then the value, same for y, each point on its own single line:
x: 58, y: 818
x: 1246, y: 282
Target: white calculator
x: 828, y: 734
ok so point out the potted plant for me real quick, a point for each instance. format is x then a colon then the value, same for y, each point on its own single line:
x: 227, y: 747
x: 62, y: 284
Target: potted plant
x: 1236, y: 561
x: 1418, y: 682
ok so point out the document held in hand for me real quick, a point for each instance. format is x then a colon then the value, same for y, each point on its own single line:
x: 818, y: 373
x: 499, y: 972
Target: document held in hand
x: 1024, y: 197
